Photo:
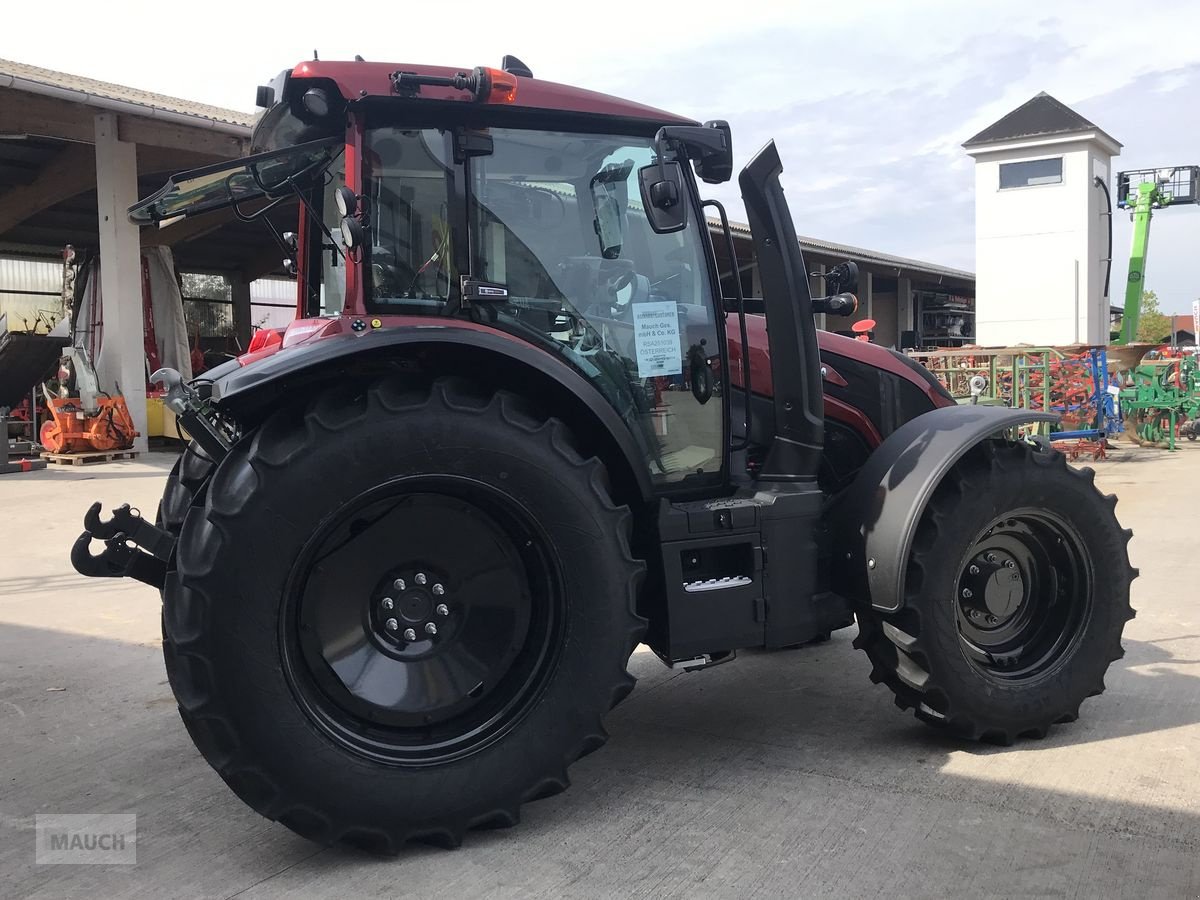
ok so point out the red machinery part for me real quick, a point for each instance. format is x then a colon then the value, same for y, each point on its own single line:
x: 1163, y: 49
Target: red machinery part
x: 50, y: 436
x: 67, y: 431
x: 149, y: 338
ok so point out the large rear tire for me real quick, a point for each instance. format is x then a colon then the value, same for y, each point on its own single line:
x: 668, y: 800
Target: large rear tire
x: 185, y: 487
x: 400, y: 614
x: 1017, y: 591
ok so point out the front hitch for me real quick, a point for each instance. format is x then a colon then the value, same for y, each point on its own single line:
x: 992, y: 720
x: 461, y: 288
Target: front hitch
x: 205, y: 425
x: 133, y: 547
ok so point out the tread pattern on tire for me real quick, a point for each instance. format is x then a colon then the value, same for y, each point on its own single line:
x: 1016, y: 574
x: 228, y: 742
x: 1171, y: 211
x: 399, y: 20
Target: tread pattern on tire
x: 199, y: 521
x: 184, y: 487
x: 892, y: 641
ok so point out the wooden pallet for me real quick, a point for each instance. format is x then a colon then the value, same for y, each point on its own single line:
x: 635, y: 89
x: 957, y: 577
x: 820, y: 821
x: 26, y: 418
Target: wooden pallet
x: 81, y: 459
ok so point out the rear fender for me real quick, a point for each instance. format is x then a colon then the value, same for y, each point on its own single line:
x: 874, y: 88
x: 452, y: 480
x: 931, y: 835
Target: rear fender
x: 874, y: 522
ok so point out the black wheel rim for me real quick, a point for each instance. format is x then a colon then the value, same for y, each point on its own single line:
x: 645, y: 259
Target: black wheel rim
x: 1024, y: 595
x: 422, y: 620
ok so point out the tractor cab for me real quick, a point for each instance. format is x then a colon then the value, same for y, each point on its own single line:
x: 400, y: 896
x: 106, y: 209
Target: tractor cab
x: 484, y: 200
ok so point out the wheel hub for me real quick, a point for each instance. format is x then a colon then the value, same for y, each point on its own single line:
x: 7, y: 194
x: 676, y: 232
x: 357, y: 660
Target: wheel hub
x: 993, y: 587
x: 1022, y: 594
x: 410, y: 611
x: 423, y: 657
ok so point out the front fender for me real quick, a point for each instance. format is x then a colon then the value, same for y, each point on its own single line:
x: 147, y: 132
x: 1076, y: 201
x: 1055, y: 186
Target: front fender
x: 249, y: 393
x: 874, y: 522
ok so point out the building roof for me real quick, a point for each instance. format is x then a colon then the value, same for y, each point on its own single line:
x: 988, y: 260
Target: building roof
x: 1041, y: 116
x: 858, y: 254
x: 89, y: 91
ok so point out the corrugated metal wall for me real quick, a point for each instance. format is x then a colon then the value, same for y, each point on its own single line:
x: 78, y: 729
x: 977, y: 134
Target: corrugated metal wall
x: 29, y: 288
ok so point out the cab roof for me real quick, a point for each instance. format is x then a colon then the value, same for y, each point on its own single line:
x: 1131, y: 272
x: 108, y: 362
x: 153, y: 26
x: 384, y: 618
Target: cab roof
x: 360, y: 80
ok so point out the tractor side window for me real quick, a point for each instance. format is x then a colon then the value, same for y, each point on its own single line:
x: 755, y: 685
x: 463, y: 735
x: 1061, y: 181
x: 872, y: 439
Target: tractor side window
x: 407, y: 175
x: 557, y: 219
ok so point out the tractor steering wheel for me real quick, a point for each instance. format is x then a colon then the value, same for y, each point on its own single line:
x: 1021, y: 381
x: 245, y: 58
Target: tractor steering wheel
x: 618, y: 283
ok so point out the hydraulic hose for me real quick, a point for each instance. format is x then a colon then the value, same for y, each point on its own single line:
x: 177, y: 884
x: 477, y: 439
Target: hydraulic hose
x: 1103, y: 185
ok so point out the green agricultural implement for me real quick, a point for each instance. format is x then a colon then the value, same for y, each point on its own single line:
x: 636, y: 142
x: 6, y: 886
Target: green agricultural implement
x: 1163, y: 401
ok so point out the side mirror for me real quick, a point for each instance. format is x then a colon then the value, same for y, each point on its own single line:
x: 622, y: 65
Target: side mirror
x: 664, y: 196
x: 608, y: 227
x: 709, y: 146
x: 715, y: 165
x: 842, y: 279
x: 610, y: 199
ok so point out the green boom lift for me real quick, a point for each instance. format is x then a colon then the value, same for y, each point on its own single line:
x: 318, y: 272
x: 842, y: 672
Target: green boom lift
x: 1142, y: 191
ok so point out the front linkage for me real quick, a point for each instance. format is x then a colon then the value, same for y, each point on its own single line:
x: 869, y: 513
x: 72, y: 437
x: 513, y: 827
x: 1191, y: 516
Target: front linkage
x: 133, y: 547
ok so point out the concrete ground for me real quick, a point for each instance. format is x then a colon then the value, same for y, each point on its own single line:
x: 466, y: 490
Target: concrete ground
x: 782, y: 775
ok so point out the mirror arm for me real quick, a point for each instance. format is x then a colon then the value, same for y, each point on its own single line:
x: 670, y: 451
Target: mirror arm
x: 660, y: 150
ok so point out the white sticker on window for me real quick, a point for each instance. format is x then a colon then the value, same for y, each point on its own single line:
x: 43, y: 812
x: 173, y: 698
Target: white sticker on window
x: 656, y: 335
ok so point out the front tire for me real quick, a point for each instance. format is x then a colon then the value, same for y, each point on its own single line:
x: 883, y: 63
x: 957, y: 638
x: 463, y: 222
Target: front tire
x: 1017, y: 591
x: 401, y: 614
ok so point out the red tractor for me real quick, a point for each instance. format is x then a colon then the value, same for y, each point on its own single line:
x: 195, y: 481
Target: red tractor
x: 516, y: 430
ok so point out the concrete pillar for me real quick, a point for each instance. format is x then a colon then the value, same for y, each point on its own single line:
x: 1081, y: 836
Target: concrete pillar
x: 239, y: 288
x: 904, y: 307
x: 122, y: 359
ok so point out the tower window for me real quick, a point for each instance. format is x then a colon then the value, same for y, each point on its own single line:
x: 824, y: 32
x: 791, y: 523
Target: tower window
x: 1030, y: 172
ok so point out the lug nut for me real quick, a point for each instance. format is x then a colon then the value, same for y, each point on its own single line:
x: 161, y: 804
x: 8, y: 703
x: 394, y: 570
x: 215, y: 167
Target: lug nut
x: 391, y: 624
x: 420, y: 578
x: 430, y: 628
x: 974, y: 570
x: 991, y: 557
x: 387, y: 603
x: 399, y: 584
x: 1009, y: 564
x: 967, y: 594
x: 438, y: 590
x: 409, y: 634
x: 443, y: 609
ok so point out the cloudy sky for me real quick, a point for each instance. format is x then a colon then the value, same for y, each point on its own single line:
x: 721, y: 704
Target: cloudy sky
x: 868, y: 101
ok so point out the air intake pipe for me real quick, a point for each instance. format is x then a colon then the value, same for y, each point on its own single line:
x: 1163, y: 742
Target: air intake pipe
x: 795, y: 451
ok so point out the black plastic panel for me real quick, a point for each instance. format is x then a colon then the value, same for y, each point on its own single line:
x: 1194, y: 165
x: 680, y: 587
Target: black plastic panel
x: 875, y: 521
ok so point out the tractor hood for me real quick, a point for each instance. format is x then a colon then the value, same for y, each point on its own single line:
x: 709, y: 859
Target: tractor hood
x: 830, y: 344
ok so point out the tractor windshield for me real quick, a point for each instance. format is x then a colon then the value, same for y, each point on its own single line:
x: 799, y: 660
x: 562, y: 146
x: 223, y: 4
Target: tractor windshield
x: 556, y: 220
